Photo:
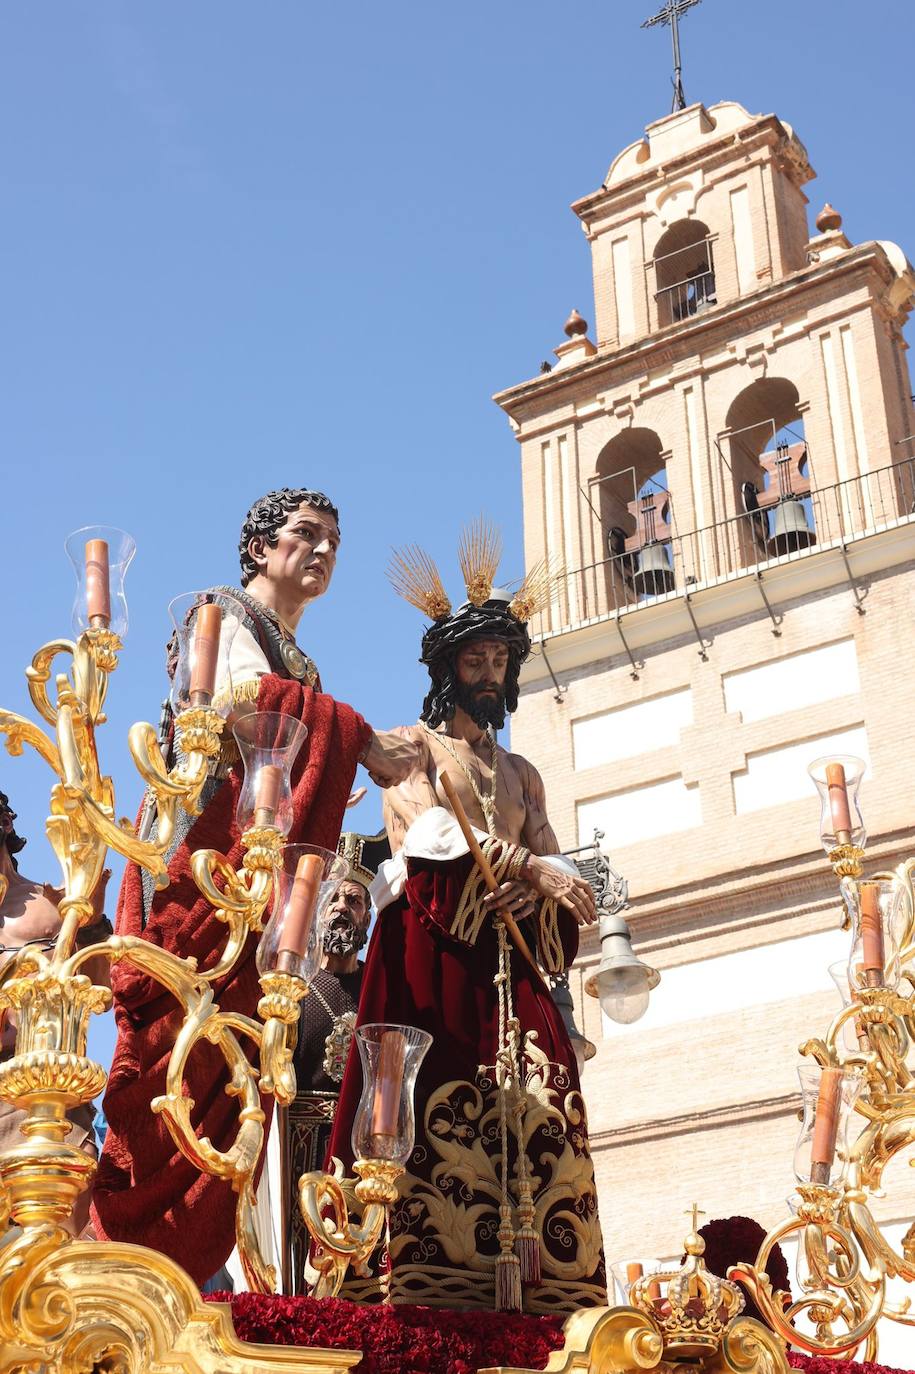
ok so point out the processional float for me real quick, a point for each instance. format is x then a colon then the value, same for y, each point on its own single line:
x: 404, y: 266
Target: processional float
x: 72, y: 1305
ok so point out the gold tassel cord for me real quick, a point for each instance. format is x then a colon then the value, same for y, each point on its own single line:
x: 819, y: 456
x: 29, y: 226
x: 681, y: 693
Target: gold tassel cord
x: 538, y: 588
x: 508, y: 1266
x: 414, y: 576
x: 478, y: 554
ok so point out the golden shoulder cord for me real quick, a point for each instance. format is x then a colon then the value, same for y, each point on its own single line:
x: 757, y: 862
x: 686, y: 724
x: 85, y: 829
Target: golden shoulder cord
x: 486, y: 804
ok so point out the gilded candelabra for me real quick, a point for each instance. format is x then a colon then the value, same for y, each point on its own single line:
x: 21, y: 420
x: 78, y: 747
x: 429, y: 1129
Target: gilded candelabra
x: 382, y: 1139
x: 859, y: 1078
x: 52, y: 999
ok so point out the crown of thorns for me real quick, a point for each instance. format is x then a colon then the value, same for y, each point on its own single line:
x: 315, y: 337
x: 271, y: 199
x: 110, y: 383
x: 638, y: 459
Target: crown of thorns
x: 415, y: 577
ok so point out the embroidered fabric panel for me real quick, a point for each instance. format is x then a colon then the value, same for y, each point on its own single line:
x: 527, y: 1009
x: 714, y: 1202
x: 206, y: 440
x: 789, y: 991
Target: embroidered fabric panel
x: 443, y: 1243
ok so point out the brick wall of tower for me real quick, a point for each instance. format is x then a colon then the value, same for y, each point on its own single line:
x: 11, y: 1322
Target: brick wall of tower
x: 738, y: 909
x: 714, y: 748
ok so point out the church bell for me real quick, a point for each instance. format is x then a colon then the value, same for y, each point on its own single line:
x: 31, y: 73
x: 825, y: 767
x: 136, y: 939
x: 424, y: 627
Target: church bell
x: 655, y: 575
x: 790, y: 529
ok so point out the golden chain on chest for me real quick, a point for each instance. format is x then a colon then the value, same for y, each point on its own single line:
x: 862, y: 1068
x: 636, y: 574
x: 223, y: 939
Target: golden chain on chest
x: 487, y: 804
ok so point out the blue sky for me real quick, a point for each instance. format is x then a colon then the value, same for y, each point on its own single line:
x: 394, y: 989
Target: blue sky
x: 247, y: 246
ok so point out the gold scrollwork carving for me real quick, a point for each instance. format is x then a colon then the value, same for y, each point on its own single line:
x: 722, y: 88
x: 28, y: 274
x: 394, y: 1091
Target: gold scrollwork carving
x: 41, y: 1178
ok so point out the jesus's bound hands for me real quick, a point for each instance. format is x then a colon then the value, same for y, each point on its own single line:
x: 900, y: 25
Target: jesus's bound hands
x: 541, y: 880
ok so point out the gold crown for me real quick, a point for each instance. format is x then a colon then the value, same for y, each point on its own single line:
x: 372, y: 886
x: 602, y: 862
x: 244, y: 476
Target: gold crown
x: 690, y: 1305
x: 350, y: 846
x: 415, y: 577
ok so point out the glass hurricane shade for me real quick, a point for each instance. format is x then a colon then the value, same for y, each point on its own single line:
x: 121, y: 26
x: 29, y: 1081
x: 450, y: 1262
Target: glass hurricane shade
x: 876, y: 911
x: 303, y: 886
x: 829, y: 1095
x: 100, y: 555
x: 626, y: 1272
x: 837, y: 778
x: 384, y: 1126
x: 838, y: 972
x: 269, y: 743
x: 204, y: 633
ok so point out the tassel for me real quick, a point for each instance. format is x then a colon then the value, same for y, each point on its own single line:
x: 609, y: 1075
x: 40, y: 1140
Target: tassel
x: 527, y: 1242
x: 508, y: 1270
x: 527, y: 1248
x: 508, y: 1283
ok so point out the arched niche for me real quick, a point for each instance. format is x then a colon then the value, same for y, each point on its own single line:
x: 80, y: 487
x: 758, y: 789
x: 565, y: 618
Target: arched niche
x: 632, y: 503
x: 766, y: 451
x: 684, y: 272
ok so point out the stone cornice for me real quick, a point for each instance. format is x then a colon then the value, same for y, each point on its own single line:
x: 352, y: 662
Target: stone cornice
x: 740, y: 909
x: 585, y: 644
x: 767, y: 128
x: 679, y: 341
x: 714, y: 1119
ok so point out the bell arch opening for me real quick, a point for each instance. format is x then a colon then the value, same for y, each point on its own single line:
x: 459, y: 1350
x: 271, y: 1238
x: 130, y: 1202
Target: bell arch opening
x: 684, y: 272
x: 766, y: 451
x: 634, y: 515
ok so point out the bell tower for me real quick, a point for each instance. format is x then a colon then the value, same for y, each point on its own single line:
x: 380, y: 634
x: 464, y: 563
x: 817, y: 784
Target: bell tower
x: 725, y: 469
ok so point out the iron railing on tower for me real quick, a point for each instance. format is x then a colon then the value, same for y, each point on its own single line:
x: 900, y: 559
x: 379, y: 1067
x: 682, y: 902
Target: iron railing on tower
x: 829, y: 517
x: 693, y: 290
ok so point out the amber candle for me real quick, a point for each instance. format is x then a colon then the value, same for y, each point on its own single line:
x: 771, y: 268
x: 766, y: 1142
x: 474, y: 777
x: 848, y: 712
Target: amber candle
x: 388, y: 1082
x: 300, y: 913
x: 207, y: 627
x: 654, y: 1290
x: 826, y: 1124
x: 98, y: 585
x: 838, y: 802
x: 872, y: 950
x: 269, y: 784
x: 633, y: 1272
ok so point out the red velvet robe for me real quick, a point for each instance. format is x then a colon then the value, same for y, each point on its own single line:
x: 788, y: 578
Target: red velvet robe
x: 146, y: 1192
x: 443, y: 1242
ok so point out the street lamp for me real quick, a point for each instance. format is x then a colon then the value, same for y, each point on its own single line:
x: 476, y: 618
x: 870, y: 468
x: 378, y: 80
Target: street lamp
x: 622, y: 982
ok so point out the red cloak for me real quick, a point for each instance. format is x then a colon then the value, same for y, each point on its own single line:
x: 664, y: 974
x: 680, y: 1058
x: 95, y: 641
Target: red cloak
x: 145, y: 1191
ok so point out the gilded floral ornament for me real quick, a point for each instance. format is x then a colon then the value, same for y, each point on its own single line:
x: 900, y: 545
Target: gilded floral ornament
x: 41, y: 1178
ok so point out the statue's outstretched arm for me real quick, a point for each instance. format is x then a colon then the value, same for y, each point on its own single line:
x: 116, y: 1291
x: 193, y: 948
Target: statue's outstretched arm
x: 409, y: 799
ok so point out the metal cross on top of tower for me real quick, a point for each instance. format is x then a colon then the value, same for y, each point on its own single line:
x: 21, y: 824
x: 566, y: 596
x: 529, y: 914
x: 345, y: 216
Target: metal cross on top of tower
x: 670, y: 14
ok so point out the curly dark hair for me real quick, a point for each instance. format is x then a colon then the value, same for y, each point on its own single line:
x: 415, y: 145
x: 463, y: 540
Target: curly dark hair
x: 442, y: 640
x: 269, y: 514
x: 10, y: 839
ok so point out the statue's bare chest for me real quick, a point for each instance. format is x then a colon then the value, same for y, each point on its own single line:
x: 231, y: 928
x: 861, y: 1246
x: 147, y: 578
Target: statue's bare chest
x: 471, y: 770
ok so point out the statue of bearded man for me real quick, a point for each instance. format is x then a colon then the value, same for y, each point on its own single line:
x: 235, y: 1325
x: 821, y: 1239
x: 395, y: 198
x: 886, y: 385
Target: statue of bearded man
x: 499, y: 1190
x: 325, y: 1033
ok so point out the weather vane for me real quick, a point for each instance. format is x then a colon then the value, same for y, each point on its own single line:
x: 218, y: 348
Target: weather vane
x: 670, y: 14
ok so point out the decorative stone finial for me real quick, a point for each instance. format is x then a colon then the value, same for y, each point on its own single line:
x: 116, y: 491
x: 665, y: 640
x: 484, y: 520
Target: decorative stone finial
x: 828, y: 220
x: 575, y: 326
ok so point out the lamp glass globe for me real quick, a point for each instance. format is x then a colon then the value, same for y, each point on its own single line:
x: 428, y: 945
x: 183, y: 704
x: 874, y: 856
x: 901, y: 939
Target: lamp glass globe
x: 623, y: 993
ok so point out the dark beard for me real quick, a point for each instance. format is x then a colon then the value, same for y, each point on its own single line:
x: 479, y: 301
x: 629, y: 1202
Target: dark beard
x: 343, y: 938
x: 484, y: 711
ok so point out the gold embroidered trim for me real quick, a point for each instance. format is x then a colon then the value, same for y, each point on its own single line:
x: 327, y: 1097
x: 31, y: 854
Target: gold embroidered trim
x: 445, y: 1210
x: 456, y: 1288
x: 249, y: 690
x: 228, y: 749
